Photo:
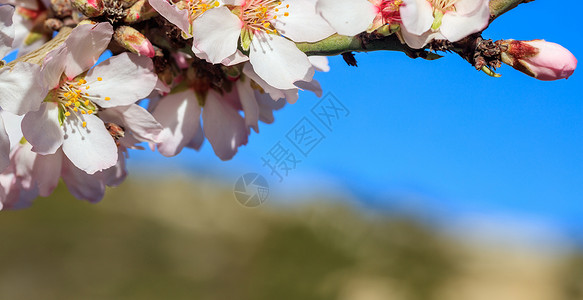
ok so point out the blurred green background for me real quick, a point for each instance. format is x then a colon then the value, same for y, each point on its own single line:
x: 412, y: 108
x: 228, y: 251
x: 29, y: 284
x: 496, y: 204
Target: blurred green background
x: 182, y: 238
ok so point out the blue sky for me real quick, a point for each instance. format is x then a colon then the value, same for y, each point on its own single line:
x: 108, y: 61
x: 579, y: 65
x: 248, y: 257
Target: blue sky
x: 439, y: 131
x: 434, y: 135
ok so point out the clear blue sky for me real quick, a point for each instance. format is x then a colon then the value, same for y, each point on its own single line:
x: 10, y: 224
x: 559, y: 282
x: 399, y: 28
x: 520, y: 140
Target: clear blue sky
x: 440, y: 131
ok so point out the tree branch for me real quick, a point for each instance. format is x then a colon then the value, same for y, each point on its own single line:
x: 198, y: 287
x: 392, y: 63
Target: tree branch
x: 338, y: 44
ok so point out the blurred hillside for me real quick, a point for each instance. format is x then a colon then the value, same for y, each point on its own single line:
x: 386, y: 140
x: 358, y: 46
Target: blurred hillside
x: 185, y: 239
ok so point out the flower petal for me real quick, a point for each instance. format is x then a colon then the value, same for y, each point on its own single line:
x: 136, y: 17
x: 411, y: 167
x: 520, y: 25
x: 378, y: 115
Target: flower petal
x: 248, y: 103
x: 179, y: 114
x: 135, y: 119
x: 320, y: 63
x: 417, y: 16
x: 6, y: 29
x: 456, y: 26
x: 347, y: 17
x: 216, y: 33
x: 53, y: 67
x: 89, y: 148
x: 419, y: 41
x: 47, y: 171
x: 42, y: 129
x: 4, y: 147
x: 223, y: 126
x: 126, y: 78
x: 178, y: 17
x: 86, y: 43
x: 19, y: 90
x: 82, y: 185
x: 115, y: 175
x: 302, y: 24
x: 278, y: 61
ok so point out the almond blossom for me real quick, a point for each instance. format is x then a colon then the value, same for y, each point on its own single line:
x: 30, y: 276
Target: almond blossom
x: 452, y: 20
x: 68, y: 117
x: 267, y: 29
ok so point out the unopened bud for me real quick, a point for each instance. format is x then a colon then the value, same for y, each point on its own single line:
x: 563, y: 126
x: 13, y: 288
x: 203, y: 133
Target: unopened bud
x: 89, y: 8
x: 134, y: 41
x: 540, y: 59
x: 140, y: 11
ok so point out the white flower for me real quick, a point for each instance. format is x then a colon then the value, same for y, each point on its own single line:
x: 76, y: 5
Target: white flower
x: 425, y: 20
x: 69, y: 114
x: 268, y: 30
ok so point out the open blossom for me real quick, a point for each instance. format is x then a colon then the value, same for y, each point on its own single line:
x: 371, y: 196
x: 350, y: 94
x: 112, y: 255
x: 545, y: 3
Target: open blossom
x: 540, y: 59
x: 68, y: 117
x: 452, y: 20
x: 351, y: 17
x: 268, y: 30
x: 30, y: 174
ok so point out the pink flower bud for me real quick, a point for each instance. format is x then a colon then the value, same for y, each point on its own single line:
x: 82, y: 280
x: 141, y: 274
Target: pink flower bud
x: 540, y: 59
x: 134, y: 41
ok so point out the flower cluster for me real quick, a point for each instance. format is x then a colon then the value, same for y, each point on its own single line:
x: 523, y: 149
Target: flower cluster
x: 209, y: 69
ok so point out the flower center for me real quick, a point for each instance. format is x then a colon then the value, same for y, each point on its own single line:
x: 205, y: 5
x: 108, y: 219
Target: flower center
x: 198, y: 7
x: 74, y: 99
x: 440, y: 7
x: 258, y: 15
x: 389, y: 9
x: 443, y: 5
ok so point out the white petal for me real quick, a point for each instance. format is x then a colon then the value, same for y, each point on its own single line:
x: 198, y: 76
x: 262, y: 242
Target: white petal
x: 216, y: 33
x: 224, y: 128
x: 6, y: 29
x: 42, y: 130
x: 302, y: 24
x: 82, y: 185
x: 313, y: 86
x: 47, y: 171
x: 278, y: 61
x: 320, y: 63
x: 115, y: 175
x: 135, y: 119
x: 347, y: 17
x: 417, y: 16
x: 19, y: 90
x: 53, y: 66
x: 178, y: 17
x: 126, y: 78
x: 90, y: 149
x: 4, y: 147
x: 273, y: 92
x: 248, y: 103
x: 12, y: 125
x: 267, y: 106
x: 86, y: 43
x: 419, y: 41
x: 456, y: 26
x: 179, y: 114
x: 198, y: 138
